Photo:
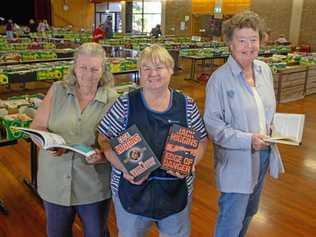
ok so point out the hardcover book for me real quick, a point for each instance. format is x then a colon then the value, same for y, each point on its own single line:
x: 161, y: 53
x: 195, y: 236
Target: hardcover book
x: 287, y: 129
x: 134, y: 152
x: 180, y: 149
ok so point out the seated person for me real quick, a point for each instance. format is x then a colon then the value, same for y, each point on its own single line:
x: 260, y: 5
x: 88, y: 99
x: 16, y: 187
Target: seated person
x: 282, y: 39
x: 156, y: 31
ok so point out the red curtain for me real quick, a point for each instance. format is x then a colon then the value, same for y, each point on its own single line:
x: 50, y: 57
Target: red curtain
x: 42, y: 10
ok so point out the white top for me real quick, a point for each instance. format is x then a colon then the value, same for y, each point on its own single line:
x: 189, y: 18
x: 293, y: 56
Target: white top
x: 261, y: 113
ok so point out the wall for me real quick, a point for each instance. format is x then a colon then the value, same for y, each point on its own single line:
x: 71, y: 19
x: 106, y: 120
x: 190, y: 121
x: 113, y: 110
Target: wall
x: 202, y: 6
x: 176, y: 10
x: 308, y: 26
x: 80, y: 13
x: 231, y: 7
x: 202, y: 9
x: 277, y: 15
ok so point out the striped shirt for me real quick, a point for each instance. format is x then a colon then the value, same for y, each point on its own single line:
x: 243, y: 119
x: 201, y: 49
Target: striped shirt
x: 116, y: 121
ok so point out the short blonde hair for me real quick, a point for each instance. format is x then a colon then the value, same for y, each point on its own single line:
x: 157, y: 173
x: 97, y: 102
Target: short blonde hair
x: 94, y: 50
x: 245, y: 19
x: 156, y: 54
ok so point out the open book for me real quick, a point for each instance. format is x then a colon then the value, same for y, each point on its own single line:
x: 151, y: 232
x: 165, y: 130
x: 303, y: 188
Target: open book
x: 287, y: 129
x: 50, y: 140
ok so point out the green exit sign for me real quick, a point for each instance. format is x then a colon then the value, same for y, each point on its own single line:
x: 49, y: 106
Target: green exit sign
x: 217, y: 10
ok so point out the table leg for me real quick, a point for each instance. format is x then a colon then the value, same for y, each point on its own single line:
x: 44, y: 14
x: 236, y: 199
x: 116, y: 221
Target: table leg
x: 192, y: 71
x: 33, y: 163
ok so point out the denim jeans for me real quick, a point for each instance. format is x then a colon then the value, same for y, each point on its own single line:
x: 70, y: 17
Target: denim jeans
x: 93, y: 218
x: 237, y: 209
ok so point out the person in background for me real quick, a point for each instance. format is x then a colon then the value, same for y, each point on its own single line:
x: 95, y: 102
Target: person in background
x: 156, y: 31
x: 2, y: 26
x: 163, y: 198
x: 32, y: 26
x: 266, y: 40
x: 67, y: 184
x: 108, y: 27
x: 43, y: 26
x: 9, y: 29
x: 98, y: 34
x: 239, y: 109
x: 282, y: 39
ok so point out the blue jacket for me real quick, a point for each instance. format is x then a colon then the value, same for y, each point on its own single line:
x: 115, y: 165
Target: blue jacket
x: 231, y: 117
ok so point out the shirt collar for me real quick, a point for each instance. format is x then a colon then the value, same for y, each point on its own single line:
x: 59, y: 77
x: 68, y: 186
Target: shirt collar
x: 101, y: 96
x: 236, y: 69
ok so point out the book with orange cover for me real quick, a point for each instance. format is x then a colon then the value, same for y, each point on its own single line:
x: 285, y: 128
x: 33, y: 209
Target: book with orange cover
x: 180, y: 149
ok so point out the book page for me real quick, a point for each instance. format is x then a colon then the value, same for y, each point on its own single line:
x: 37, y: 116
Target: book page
x: 46, y: 139
x: 79, y: 148
x: 288, y: 127
x: 50, y: 140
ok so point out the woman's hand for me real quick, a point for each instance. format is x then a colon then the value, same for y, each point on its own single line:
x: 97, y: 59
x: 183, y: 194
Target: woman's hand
x: 131, y: 178
x: 56, y: 151
x: 176, y: 174
x: 97, y: 158
x: 258, y: 143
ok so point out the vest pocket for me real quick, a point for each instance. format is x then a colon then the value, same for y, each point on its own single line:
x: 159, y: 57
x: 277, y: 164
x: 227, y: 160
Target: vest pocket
x: 155, y: 199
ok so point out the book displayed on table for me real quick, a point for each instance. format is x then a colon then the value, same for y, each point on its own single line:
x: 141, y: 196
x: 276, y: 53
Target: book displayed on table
x: 180, y: 149
x: 49, y: 140
x: 134, y: 153
x: 287, y: 129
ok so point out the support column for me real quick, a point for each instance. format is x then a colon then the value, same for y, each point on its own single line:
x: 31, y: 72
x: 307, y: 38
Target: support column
x: 295, y: 23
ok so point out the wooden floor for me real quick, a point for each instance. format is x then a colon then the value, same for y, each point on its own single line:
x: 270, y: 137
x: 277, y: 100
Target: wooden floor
x: 288, y: 205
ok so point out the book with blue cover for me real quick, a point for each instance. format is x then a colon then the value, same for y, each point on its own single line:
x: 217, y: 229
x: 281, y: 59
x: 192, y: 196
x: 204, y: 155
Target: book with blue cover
x: 134, y: 153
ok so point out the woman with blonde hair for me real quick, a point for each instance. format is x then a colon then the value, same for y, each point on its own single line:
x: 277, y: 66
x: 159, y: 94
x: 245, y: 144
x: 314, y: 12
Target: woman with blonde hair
x: 162, y: 198
x: 67, y: 184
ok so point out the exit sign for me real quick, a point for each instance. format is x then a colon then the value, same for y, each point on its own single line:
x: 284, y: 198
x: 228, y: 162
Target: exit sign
x: 217, y: 10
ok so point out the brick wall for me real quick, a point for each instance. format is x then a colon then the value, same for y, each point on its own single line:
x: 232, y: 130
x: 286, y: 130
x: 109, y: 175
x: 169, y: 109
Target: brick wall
x: 176, y: 10
x: 276, y: 13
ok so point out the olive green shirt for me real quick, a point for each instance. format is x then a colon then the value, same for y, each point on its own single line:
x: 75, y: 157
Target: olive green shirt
x: 69, y: 180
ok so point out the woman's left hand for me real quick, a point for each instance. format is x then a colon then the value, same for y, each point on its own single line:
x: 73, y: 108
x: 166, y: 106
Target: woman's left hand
x: 97, y: 158
x: 176, y: 174
x: 56, y: 151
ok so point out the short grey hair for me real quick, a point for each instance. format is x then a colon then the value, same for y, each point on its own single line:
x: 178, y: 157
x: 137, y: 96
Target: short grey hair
x: 245, y: 19
x: 95, y: 50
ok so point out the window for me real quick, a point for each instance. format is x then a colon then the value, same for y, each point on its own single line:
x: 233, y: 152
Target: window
x: 109, y: 9
x: 146, y: 15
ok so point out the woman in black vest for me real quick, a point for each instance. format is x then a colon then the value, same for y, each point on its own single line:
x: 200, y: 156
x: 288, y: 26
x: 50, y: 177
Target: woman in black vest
x: 163, y: 197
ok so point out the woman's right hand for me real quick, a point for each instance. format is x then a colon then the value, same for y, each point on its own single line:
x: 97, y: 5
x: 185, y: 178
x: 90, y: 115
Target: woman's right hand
x: 97, y: 158
x: 131, y: 178
x: 258, y: 143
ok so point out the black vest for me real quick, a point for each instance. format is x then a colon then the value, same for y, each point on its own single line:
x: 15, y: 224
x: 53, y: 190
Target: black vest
x: 161, y: 195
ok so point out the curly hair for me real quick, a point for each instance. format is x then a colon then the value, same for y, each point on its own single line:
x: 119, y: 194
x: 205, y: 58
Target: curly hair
x: 245, y: 19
